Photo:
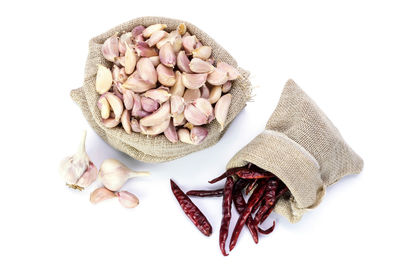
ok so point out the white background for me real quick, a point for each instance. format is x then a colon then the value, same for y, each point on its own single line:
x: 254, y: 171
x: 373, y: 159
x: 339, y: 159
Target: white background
x: 344, y: 54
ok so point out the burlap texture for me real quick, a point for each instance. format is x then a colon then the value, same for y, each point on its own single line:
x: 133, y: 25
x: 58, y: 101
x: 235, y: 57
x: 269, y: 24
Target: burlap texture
x: 138, y: 146
x: 302, y: 147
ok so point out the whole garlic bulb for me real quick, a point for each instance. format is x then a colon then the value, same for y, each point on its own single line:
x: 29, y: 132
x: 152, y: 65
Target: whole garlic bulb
x: 78, y: 171
x: 113, y: 174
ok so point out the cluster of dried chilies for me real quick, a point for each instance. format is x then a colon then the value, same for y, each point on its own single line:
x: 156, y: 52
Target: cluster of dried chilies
x: 266, y: 190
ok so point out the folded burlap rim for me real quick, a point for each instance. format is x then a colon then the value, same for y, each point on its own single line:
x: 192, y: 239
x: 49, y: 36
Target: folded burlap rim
x: 303, y: 148
x: 138, y: 146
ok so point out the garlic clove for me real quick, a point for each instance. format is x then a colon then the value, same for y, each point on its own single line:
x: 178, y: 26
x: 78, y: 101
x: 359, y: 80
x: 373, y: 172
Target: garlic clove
x: 202, y: 52
x: 198, y: 134
x: 191, y: 95
x: 162, y: 114
x: 118, y: 90
x: 184, y: 136
x: 226, y: 87
x: 194, y: 115
x: 104, y: 107
x: 103, y: 79
x: 177, y: 105
x: 127, y: 99
x: 146, y: 70
x: 181, y: 28
x: 135, y: 125
x: 156, y: 37
x: 183, y: 62
x: 179, y: 119
x: 152, y: 29
x: 77, y: 167
x: 198, y: 45
x: 205, y: 92
x: 101, y: 194
x: 233, y: 73
x: 167, y: 55
x: 193, y: 81
x: 149, y: 104
x: 189, y: 43
x: 119, y: 74
x: 120, y: 61
x: 110, y: 122
x: 138, y: 30
x: 125, y: 38
x: 116, y: 105
x: 215, y: 94
x: 130, y: 59
x: 113, y: 174
x: 155, y: 60
x: 170, y: 133
x: 137, y: 84
x: 200, y: 66
x: 217, y: 77
x: 159, y: 95
x: 205, y: 107
x: 126, y: 121
x: 222, y: 108
x: 128, y: 200
x: 144, y: 50
x: 178, y: 88
x: 137, y: 105
x: 138, y: 39
x: 166, y: 75
x: 110, y: 49
x: 155, y: 129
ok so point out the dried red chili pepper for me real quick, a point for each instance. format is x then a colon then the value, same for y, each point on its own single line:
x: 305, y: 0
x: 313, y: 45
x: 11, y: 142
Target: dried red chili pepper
x: 250, y: 174
x: 267, y: 231
x: 206, y: 193
x: 269, y: 200
x: 257, y: 194
x: 250, y: 186
x: 229, y: 172
x: 226, y: 214
x: 240, y: 204
x: 191, y: 210
x: 268, y: 212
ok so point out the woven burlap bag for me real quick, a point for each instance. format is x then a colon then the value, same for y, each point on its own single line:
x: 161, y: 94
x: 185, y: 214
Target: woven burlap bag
x: 302, y: 147
x: 138, y: 146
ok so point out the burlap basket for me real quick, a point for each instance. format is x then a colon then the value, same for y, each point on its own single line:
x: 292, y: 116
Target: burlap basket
x: 302, y: 147
x: 138, y: 146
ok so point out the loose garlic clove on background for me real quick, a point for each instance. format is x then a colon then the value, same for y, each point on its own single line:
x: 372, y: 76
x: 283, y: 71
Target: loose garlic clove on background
x: 103, y: 79
x: 113, y: 174
x: 127, y: 199
x: 101, y: 194
x: 222, y: 108
x: 78, y: 171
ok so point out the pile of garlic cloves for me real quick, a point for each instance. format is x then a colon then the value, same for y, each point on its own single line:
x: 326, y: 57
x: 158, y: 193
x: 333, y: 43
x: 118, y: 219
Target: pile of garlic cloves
x: 163, y: 83
x: 79, y: 172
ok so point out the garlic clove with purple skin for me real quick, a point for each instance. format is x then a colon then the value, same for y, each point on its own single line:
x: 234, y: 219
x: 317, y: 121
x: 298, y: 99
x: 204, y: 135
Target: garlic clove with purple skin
x: 233, y: 73
x: 159, y: 95
x: 170, y: 133
x: 189, y: 43
x: 156, y: 37
x: 138, y: 30
x: 78, y: 171
x: 144, y: 50
x: 130, y: 59
x: 146, y: 70
x: 101, y: 194
x: 198, y: 134
x: 148, y: 104
x: 226, y: 87
x: 167, y: 55
x: 205, y: 92
x: 177, y: 105
x: 200, y: 66
x: 154, y: 129
x: 218, y: 77
x: 116, y: 105
x: 191, y: 95
x: 152, y: 29
x: 194, y: 115
x: 222, y: 108
x: 137, y: 84
x: 135, y: 125
x: 166, y: 75
x: 114, y: 174
x: 183, y: 62
x: 127, y: 199
x: 194, y: 81
x: 203, y: 52
x: 110, y: 48
x: 128, y: 99
x: 125, y: 38
x: 162, y: 114
x: 205, y: 107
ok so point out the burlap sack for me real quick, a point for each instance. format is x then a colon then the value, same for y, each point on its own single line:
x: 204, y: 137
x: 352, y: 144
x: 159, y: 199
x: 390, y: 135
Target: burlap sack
x: 302, y: 147
x: 140, y: 147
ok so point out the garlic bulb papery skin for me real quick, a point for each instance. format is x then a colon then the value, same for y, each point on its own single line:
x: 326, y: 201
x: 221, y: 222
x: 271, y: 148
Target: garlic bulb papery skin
x: 78, y: 171
x: 114, y: 174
